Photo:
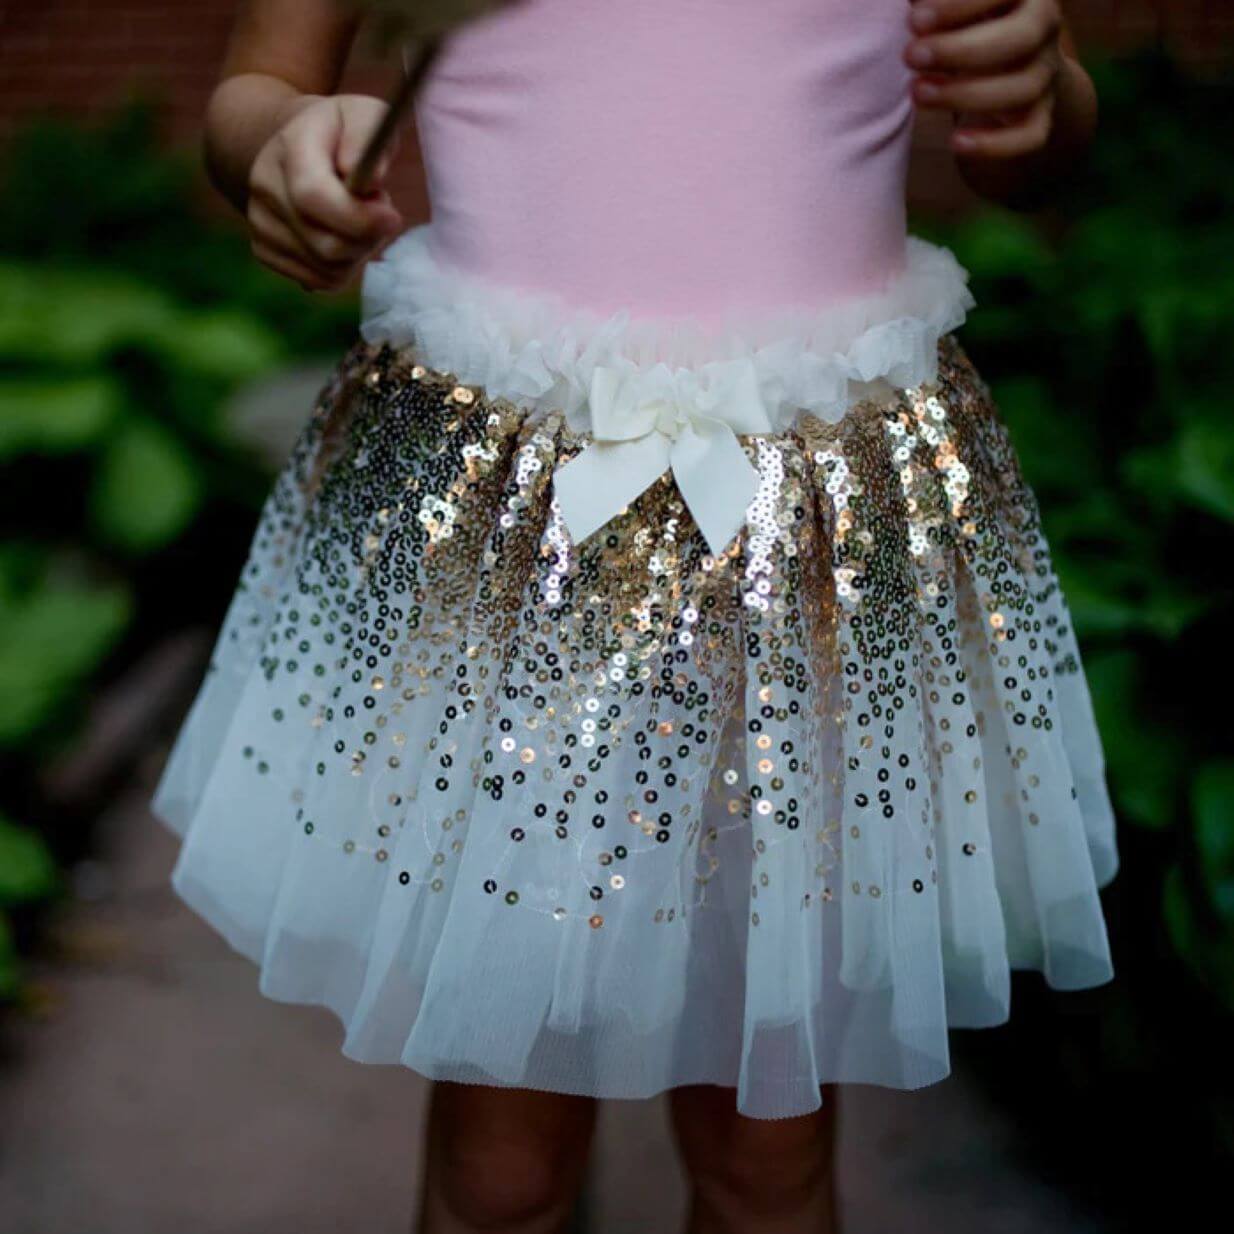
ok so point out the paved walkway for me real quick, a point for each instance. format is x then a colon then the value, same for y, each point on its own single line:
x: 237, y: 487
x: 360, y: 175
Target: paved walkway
x: 159, y: 1093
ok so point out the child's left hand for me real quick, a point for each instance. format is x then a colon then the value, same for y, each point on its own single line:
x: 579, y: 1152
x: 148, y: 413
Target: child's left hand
x: 997, y: 64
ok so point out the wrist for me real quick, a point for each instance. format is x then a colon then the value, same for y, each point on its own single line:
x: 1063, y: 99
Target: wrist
x: 244, y: 113
x: 286, y: 111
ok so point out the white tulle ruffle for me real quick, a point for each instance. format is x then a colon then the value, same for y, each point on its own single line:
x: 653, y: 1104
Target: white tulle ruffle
x: 540, y: 354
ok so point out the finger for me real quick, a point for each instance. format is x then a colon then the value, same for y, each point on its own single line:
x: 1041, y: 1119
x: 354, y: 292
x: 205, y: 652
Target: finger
x: 929, y: 15
x: 290, y: 267
x: 274, y: 236
x: 386, y: 214
x: 308, y: 243
x: 1030, y: 134
x: 1007, y: 92
x: 987, y: 45
x: 314, y: 188
x: 275, y: 201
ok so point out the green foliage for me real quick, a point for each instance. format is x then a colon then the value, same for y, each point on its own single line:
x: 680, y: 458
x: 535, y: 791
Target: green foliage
x: 146, y: 489
x: 1213, y: 807
x: 27, y: 872
x: 126, y: 320
x: 55, y: 629
x: 1109, y: 350
x: 112, y: 201
x: 10, y: 969
x: 46, y: 414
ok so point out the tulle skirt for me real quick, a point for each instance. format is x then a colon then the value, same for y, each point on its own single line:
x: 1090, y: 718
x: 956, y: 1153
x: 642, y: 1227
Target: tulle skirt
x: 614, y: 816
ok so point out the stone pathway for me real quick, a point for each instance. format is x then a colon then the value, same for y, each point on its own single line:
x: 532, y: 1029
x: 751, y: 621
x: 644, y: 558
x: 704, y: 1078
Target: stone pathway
x: 159, y: 1093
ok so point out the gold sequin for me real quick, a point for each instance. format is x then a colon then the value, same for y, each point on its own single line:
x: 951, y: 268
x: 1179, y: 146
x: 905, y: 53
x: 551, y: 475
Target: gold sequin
x: 888, y: 607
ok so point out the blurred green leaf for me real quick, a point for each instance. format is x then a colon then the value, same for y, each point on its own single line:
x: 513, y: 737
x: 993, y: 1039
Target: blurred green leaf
x: 992, y: 323
x: 111, y: 199
x: 80, y: 317
x: 1028, y: 405
x: 1209, y: 955
x: 997, y: 244
x: 9, y: 968
x: 1205, y: 468
x: 75, y: 317
x: 27, y: 870
x: 228, y: 345
x: 23, y: 565
x: 1144, y: 759
x: 1097, y: 611
x: 56, y: 414
x: 52, y: 636
x: 1170, y: 611
x: 146, y: 490
x: 1212, y: 797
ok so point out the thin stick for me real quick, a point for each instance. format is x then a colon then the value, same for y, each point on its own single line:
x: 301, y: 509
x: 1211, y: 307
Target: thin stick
x: 360, y: 182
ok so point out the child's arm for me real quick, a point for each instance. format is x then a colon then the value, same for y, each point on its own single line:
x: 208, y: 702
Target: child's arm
x: 279, y: 144
x: 1026, y: 109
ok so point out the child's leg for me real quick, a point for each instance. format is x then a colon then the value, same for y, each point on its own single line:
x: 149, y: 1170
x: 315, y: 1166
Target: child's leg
x: 756, y: 1176
x: 503, y: 1160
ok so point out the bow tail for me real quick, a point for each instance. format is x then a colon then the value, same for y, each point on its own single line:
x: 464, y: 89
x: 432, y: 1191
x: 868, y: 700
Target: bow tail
x: 716, y: 479
x: 596, y: 485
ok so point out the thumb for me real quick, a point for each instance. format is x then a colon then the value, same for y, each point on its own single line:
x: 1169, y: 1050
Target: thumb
x: 355, y: 136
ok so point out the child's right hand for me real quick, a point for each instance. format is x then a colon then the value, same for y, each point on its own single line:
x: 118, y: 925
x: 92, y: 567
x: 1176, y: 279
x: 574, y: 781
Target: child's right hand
x: 303, y: 221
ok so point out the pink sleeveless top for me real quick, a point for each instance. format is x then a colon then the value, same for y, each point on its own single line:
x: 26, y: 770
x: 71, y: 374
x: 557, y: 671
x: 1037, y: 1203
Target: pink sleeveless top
x: 676, y: 222
x: 673, y: 157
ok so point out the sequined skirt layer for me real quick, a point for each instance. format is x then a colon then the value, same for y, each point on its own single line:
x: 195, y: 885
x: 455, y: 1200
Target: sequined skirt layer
x: 616, y: 816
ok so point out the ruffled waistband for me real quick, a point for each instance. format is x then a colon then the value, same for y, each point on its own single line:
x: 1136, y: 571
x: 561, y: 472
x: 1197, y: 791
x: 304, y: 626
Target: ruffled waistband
x: 537, y: 352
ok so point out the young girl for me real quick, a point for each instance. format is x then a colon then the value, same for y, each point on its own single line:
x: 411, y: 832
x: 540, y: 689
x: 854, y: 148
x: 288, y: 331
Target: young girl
x: 649, y: 673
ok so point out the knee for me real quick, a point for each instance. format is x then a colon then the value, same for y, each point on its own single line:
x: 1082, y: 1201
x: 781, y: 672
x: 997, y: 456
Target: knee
x: 490, y: 1183
x: 762, y: 1167
x: 765, y: 1182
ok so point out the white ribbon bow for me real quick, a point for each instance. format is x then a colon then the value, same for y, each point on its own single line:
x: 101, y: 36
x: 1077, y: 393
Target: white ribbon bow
x: 645, y: 422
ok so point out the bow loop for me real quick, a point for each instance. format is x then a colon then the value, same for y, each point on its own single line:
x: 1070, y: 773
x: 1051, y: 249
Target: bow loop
x: 645, y: 422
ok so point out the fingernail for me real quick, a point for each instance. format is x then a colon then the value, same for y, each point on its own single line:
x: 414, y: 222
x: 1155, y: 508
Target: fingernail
x: 965, y: 143
x: 927, y: 91
x: 924, y: 17
x: 920, y: 55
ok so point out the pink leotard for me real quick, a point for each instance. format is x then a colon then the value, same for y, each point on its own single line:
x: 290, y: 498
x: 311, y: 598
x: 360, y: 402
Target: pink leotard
x: 673, y: 157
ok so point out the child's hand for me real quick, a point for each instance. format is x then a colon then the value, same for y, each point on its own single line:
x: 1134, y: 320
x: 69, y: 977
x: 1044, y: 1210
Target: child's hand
x: 997, y: 64
x: 303, y: 221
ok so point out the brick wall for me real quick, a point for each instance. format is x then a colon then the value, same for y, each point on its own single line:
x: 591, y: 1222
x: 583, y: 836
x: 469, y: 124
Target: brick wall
x: 83, y: 55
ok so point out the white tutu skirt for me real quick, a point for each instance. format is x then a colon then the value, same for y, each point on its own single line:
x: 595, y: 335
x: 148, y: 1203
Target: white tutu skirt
x: 613, y: 816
